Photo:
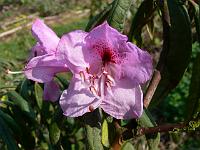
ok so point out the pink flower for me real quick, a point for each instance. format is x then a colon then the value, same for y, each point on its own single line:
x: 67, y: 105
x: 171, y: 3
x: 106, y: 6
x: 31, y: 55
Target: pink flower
x: 43, y: 64
x: 107, y: 73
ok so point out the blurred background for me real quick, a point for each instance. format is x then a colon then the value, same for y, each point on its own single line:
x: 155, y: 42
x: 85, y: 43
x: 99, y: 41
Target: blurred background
x: 35, y: 129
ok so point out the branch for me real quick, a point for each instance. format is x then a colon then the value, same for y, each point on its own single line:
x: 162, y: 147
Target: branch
x: 152, y: 88
x: 161, y: 128
x: 14, y: 30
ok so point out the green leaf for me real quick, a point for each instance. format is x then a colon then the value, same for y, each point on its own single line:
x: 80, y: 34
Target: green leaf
x: 142, y: 17
x: 54, y: 133
x: 118, y: 13
x: 127, y: 146
x: 193, y: 103
x: 38, y: 95
x: 177, y: 48
x: 22, y: 104
x: 19, y: 101
x: 6, y: 136
x: 98, y: 19
x: 26, y: 89
x: 92, y: 122
x: 11, y: 123
x: 146, y: 120
x: 105, y: 138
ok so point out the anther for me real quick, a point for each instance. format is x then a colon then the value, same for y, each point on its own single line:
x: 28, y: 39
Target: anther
x: 93, y: 90
x: 87, y: 70
x: 91, y: 108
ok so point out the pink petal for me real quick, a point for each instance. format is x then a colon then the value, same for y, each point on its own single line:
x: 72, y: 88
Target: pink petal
x: 37, y: 50
x: 102, y: 38
x: 125, y: 102
x: 105, y: 33
x: 43, y: 68
x: 45, y: 36
x: 51, y: 91
x: 70, y: 49
x: 137, y: 65
x: 77, y: 99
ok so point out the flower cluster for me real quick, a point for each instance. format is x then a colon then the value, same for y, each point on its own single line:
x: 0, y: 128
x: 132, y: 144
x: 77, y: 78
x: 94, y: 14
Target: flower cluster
x: 107, y: 70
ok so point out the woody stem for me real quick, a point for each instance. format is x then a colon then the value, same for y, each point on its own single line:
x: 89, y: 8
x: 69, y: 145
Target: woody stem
x: 152, y: 88
x: 161, y: 128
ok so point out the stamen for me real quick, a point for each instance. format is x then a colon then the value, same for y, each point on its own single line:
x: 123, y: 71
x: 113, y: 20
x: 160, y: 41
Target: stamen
x: 13, y: 72
x: 82, y: 75
x: 94, y: 92
x: 109, y: 90
x: 111, y: 79
x: 102, y: 84
x: 91, y: 79
x: 104, y: 71
x: 87, y: 70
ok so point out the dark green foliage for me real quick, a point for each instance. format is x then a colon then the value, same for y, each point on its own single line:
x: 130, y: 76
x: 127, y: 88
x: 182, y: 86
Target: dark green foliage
x: 38, y: 95
x: 177, y: 48
x: 117, y: 15
x: 193, y: 103
x: 92, y: 123
x: 143, y: 15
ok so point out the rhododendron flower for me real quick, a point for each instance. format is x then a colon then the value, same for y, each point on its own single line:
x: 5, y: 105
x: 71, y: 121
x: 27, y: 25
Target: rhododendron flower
x: 107, y: 73
x: 43, y: 64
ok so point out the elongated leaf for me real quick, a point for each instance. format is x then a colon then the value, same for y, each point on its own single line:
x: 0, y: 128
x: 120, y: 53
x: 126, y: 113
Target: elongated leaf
x: 11, y: 123
x: 54, y: 133
x: 118, y: 13
x: 22, y: 104
x: 176, y: 51
x: 146, y: 120
x: 105, y: 133
x: 127, y: 146
x: 19, y: 101
x: 92, y: 123
x: 6, y: 136
x: 193, y: 103
x: 142, y: 17
x: 38, y: 95
x: 26, y: 89
x: 98, y: 19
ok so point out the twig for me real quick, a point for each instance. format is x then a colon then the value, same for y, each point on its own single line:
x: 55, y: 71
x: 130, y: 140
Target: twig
x: 161, y: 128
x: 14, y: 30
x: 18, y: 20
x: 152, y: 87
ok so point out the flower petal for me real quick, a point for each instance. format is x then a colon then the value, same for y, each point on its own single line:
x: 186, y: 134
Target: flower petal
x: 137, y: 65
x: 70, y: 49
x: 43, y: 68
x: 101, y: 38
x: 36, y: 50
x: 51, y: 91
x: 125, y: 102
x: 45, y: 36
x: 77, y: 100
